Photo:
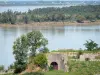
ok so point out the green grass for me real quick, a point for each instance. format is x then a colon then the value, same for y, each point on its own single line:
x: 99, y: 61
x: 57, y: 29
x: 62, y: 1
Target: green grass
x: 71, y: 50
x: 84, y: 67
x: 47, y: 73
x: 55, y: 73
x: 77, y: 68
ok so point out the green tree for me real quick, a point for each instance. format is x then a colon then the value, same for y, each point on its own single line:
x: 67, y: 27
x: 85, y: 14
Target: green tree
x: 80, y: 52
x: 30, y: 42
x: 13, y: 19
x: 1, y: 67
x: 11, y: 67
x: 40, y: 60
x: 80, y: 18
x: 36, y: 41
x: 44, y: 50
x: 20, y: 49
x: 91, y: 45
x: 26, y: 19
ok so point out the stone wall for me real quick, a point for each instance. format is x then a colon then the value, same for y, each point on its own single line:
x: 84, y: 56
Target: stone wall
x: 60, y: 59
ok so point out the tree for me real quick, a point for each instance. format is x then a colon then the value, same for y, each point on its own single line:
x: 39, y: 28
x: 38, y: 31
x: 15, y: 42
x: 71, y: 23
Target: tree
x: 30, y: 42
x: 80, y: 52
x: 80, y: 18
x: 1, y: 67
x: 36, y: 41
x: 40, y: 60
x: 26, y: 19
x: 44, y: 50
x: 11, y: 67
x: 91, y: 45
x: 13, y: 19
x: 20, y: 49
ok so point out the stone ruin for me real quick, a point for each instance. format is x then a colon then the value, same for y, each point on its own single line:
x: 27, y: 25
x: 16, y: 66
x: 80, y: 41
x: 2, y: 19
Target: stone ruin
x: 58, y: 61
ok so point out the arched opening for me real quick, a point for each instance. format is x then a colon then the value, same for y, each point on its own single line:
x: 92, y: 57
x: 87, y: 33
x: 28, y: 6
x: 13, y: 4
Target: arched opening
x: 54, y: 65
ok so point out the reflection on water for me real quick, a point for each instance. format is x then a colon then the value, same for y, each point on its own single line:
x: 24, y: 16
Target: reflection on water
x: 59, y: 38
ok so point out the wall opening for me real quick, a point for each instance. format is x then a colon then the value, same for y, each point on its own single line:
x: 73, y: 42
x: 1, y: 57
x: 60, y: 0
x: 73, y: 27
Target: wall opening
x: 54, y: 65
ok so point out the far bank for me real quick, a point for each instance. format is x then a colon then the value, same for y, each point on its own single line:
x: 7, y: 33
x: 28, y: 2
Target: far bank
x: 50, y: 24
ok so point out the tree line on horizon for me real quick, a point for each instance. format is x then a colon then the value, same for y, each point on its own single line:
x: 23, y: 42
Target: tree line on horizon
x: 70, y: 14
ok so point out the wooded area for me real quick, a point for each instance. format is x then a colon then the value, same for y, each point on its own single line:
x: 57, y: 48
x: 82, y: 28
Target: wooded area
x: 73, y: 13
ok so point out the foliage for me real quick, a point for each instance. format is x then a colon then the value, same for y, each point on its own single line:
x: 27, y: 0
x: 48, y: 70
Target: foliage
x: 73, y: 13
x: 91, y: 45
x: 20, y: 50
x: 55, y: 72
x: 1, y: 67
x: 44, y: 50
x: 80, y: 52
x: 40, y: 60
x: 11, y: 67
x: 51, y: 68
x: 26, y: 19
x: 84, y: 67
x: 36, y: 41
x: 28, y: 43
x: 34, y: 73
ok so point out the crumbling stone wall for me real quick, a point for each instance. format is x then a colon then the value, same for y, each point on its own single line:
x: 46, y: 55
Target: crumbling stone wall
x: 60, y: 59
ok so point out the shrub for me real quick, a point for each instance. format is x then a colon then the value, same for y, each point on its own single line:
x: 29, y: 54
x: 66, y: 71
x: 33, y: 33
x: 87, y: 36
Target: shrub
x: 51, y: 68
x: 34, y: 73
x: 79, y: 53
x: 1, y: 67
x: 91, y: 45
x: 40, y: 60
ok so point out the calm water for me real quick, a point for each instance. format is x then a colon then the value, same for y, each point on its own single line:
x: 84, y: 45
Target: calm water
x: 59, y: 38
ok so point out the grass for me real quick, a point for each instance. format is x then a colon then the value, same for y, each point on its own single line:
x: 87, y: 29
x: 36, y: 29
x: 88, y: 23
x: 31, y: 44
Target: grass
x: 55, y: 73
x: 76, y: 68
x: 47, y: 73
x: 71, y: 50
x: 84, y: 67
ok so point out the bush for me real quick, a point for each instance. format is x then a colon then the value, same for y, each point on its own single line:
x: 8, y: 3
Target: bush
x: 40, y: 60
x: 34, y: 73
x: 84, y: 67
x: 79, y: 53
x: 91, y: 45
x: 1, y: 67
x: 51, y: 68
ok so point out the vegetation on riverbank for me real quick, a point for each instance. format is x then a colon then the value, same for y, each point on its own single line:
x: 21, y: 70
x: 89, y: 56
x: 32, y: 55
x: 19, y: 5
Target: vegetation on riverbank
x: 65, y: 14
x: 90, y: 45
x: 75, y: 68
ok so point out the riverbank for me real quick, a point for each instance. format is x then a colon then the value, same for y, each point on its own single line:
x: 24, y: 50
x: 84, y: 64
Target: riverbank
x: 50, y: 24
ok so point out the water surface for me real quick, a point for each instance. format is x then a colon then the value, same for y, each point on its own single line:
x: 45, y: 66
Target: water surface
x: 66, y: 37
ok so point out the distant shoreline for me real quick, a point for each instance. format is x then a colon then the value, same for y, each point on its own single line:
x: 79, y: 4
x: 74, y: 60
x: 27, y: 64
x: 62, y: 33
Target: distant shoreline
x: 50, y: 24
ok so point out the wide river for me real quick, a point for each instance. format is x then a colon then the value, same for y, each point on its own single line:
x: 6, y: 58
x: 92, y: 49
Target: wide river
x: 65, y: 37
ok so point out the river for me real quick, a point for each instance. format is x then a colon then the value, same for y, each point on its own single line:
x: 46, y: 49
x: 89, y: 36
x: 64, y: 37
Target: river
x: 65, y: 37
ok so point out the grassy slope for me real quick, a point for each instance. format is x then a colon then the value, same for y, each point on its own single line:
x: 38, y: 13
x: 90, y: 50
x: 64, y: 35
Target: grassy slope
x: 84, y: 67
x: 79, y: 68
